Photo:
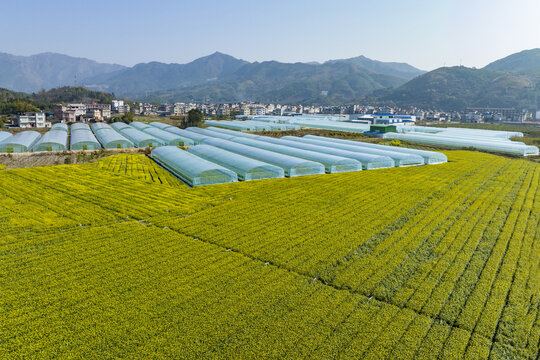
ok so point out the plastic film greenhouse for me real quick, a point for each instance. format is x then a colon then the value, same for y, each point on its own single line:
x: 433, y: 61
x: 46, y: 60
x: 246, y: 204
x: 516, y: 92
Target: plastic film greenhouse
x: 232, y: 133
x: 235, y: 125
x: 210, y: 133
x: 195, y: 137
x: 79, y: 126
x: 112, y: 139
x: 83, y: 140
x: 21, y: 142
x: 190, y: 168
x: 491, y: 146
x: 120, y: 126
x: 293, y: 166
x: 430, y: 157
x: 139, y: 125
x: 140, y: 139
x: 332, y: 163
x: 168, y: 138
x: 52, y: 140
x: 400, y: 159
x: 4, y: 135
x: 100, y: 126
x: 60, y: 126
x: 160, y: 125
x: 368, y: 161
x: 246, y: 168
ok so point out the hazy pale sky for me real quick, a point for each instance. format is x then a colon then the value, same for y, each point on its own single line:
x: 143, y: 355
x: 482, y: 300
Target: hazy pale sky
x: 424, y: 33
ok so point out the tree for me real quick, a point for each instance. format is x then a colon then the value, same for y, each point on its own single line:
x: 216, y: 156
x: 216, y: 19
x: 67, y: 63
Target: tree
x: 194, y: 118
x: 128, y: 117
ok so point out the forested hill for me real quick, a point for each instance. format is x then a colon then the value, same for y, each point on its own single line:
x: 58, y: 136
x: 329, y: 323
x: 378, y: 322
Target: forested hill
x: 499, y: 84
x: 13, y: 102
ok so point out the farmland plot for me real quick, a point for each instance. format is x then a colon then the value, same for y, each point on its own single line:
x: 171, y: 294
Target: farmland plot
x: 119, y: 259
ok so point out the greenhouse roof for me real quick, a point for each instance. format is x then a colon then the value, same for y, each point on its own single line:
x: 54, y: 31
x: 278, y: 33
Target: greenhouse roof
x: 79, y: 126
x: 211, y: 133
x: 197, y: 138
x: 332, y: 163
x: 140, y: 138
x: 430, y: 157
x: 99, y: 126
x: 491, y: 146
x: 111, y: 138
x: 56, y: 140
x: 369, y: 161
x: 4, y: 135
x: 167, y: 137
x: 400, y: 159
x: 190, y: 168
x: 293, y: 166
x: 139, y: 125
x: 81, y: 138
x: 160, y: 125
x: 24, y: 139
x: 246, y: 168
x: 60, y: 126
x: 119, y: 125
x: 232, y: 133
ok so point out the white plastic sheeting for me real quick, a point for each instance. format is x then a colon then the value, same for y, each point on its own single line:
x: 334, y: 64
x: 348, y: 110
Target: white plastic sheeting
x: 453, y: 142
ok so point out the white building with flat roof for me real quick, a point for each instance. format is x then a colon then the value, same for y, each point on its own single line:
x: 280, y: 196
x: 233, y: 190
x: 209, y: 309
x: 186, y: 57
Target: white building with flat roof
x: 32, y: 120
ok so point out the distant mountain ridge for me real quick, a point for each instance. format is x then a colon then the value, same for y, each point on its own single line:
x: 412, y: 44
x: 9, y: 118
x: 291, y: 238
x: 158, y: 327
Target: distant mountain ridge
x: 402, y: 70
x: 47, y: 71
x: 272, y: 81
x: 224, y: 77
x: 513, y: 81
x: 155, y: 76
x: 521, y: 61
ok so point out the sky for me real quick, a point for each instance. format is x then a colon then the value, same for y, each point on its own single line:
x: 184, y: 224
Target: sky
x: 424, y: 33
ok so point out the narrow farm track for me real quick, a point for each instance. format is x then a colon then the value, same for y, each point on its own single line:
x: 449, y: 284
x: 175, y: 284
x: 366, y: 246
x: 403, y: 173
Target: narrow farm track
x: 118, y: 259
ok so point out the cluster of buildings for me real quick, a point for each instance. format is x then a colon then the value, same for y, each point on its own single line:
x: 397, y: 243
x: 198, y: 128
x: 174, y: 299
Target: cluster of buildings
x: 71, y: 113
x: 354, y: 113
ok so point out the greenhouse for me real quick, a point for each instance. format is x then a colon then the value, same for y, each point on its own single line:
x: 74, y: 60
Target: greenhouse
x: 168, y: 138
x: 228, y: 124
x: 461, y: 131
x: 99, y: 126
x: 485, y: 145
x: 246, y: 168
x: 292, y: 166
x: 276, y: 126
x: 332, y: 163
x: 430, y: 157
x: 330, y: 125
x: 400, y: 159
x: 195, y: 137
x: 20, y: 142
x: 60, y: 126
x: 211, y: 133
x: 192, y: 169
x: 368, y: 161
x: 139, y: 125
x: 83, y: 140
x: 160, y: 125
x: 79, y: 126
x: 4, y: 135
x: 52, y: 141
x: 120, y: 126
x: 139, y: 138
x: 232, y: 133
x: 112, y: 139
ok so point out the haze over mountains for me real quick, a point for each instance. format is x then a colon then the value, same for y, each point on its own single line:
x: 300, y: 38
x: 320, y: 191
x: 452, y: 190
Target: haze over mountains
x: 510, y: 82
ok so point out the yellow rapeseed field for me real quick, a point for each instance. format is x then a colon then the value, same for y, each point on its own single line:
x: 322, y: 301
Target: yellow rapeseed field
x: 118, y: 259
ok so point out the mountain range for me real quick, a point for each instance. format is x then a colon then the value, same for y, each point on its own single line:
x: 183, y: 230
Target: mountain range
x: 513, y: 81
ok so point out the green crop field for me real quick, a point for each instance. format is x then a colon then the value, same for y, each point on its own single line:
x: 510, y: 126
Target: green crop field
x: 118, y: 259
